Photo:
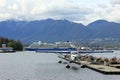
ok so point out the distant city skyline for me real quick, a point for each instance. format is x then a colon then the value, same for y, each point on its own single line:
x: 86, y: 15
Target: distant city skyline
x: 82, y: 11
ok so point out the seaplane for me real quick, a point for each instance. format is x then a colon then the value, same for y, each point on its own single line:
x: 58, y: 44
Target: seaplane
x: 74, y: 56
x: 71, y: 57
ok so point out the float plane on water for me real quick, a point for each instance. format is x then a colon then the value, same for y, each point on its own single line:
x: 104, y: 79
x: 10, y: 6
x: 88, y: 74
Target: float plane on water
x: 72, y: 57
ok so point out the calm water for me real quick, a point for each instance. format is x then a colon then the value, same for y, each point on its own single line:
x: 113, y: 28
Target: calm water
x: 43, y: 66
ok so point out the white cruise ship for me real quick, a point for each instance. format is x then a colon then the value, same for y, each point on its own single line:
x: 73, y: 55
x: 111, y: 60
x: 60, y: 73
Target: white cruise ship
x: 52, y: 47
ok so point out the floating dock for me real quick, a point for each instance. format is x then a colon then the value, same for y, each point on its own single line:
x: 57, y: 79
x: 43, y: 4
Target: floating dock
x: 115, y: 65
x: 112, y: 69
x: 104, y: 69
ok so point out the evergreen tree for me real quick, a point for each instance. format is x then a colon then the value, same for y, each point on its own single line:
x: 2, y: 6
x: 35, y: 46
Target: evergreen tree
x: 12, y: 44
x: 16, y: 45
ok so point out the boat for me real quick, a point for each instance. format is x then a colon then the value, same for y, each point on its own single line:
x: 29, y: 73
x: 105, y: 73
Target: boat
x: 95, y: 51
x: 57, y: 47
x: 7, y: 50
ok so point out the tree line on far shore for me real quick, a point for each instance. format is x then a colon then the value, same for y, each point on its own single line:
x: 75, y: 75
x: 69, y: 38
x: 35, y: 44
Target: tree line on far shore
x: 16, y: 45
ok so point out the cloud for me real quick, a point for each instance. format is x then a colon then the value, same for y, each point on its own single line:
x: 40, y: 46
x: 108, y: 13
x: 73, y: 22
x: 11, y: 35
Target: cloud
x: 84, y: 11
x: 115, y: 2
x: 41, y: 9
x: 2, y: 3
x: 114, y: 14
x: 109, y: 10
x: 5, y: 16
x: 13, y: 7
x: 59, y: 9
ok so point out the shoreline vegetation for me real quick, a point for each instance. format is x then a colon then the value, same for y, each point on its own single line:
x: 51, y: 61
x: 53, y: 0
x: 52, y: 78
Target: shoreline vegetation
x: 16, y: 45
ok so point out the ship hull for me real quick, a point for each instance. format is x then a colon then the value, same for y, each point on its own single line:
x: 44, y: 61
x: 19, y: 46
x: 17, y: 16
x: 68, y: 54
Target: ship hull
x: 52, y: 50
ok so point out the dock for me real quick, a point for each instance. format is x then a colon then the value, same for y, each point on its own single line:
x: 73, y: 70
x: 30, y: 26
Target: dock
x: 111, y: 69
x: 104, y: 69
x: 115, y: 65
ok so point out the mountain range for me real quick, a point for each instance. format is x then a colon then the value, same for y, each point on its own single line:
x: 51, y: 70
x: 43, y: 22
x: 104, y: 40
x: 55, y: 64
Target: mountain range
x: 50, y: 30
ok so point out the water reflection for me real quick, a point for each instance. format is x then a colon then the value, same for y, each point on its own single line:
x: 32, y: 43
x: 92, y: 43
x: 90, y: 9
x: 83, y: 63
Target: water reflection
x: 75, y: 68
x: 38, y: 66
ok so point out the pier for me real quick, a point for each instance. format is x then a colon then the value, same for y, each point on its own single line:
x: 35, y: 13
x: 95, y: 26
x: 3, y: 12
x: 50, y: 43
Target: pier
x: 104, y: 69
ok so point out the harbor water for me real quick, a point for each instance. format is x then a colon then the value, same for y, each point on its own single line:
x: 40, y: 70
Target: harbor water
x: 44, y: 66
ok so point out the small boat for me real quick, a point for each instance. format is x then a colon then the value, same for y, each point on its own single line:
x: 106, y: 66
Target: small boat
x: 7, y: 50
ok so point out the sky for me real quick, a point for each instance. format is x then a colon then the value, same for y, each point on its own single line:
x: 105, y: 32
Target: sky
x: 81, y: 11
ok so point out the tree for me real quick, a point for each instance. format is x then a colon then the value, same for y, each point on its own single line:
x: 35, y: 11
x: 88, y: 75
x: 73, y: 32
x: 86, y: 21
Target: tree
x: 16, y: 45
x: 12, y: 44
x: 19, y: 46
